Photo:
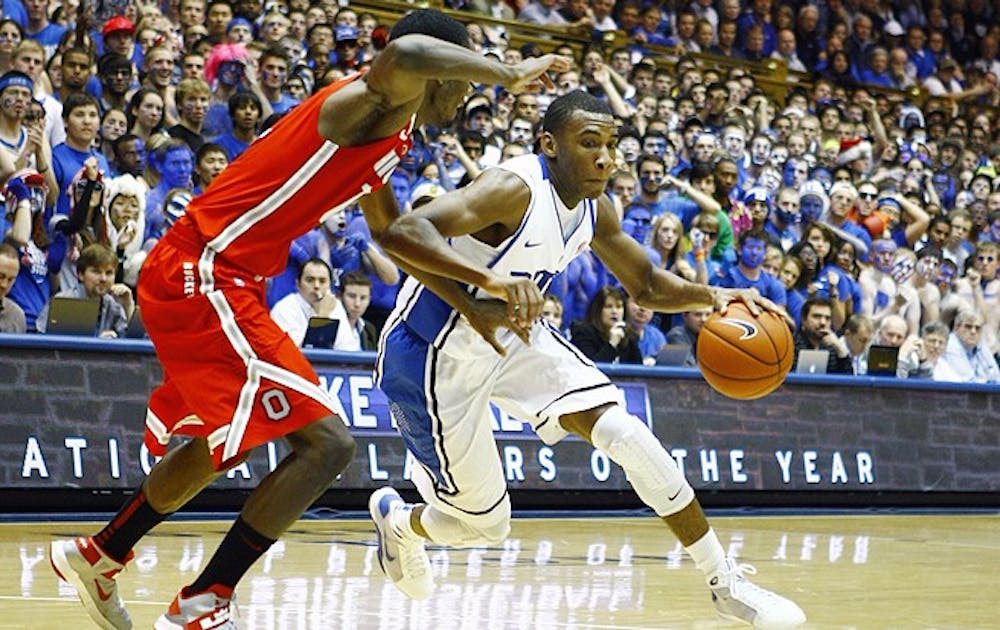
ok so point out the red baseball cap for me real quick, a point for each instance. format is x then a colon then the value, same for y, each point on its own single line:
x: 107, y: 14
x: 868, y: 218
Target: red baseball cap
x: 117, y: 24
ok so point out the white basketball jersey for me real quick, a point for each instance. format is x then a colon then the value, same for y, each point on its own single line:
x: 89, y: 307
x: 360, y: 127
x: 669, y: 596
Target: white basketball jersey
x: 549, y: 237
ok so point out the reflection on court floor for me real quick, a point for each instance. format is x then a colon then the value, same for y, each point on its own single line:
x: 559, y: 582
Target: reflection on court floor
x: 845, y: 571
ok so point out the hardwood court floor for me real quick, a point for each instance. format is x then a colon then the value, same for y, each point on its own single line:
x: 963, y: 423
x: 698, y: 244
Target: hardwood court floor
x: 865, y: 572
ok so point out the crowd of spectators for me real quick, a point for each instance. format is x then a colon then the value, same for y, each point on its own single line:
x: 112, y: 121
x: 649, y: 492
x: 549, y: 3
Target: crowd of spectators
x: 862, y: 194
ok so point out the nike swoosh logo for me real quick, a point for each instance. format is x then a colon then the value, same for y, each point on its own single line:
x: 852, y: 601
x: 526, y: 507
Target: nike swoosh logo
x: 530, y: 244
x: 101, y: 593
x: 676, y: 494
x: 383, y: 550
x: 749, y: 330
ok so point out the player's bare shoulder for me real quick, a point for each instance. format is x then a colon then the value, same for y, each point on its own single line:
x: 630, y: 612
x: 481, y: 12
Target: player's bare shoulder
x: 500, y: 198
x: 355, y: 114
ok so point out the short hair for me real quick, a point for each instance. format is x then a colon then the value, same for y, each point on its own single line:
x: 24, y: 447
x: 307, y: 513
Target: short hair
x: 8, y: 250
x: 562, y: 109
x: 240, y: 99
x: 813, y: 302
x: 857, y: 322
x: 76, y: 101
x: 318, y: 26
x: 700, y: 171
x: 118, y: 143
x: 930, y: 251
x: 934, y: 328
x: 109, y: 62
x: 472, y: 136
x: 433, y: 24
x: 96, y: 255
x: 648, y: 157
x: 28, y: 44
x: 966, y: 315
x: 275, y: 52
x: 210, y: 147
x: 356, y: 278
x: 554, y: 299
x: 705, y: 221
x: 159, y: 153
x: 191, y: 87
x: 987, y: 246
x: 758, y: 234
x: 76, y: 50
x: 315, y: 261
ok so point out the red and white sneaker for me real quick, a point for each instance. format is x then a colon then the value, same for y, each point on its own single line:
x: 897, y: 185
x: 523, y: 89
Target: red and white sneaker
x: 85, y: 566
x: 213, y: 609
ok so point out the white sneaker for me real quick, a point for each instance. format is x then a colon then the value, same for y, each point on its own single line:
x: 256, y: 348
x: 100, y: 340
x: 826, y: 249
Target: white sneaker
x: 83, y: 564
x: 401, y: 555
x: 206, y: 610
x: 738, y: 599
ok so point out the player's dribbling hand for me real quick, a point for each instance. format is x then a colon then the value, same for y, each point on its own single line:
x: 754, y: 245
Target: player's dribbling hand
x: 486, y: 316
x: 754, y: 301
x: 530, y: 75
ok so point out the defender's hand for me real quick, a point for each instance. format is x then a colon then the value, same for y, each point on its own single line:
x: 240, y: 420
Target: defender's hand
x: 529, y: 75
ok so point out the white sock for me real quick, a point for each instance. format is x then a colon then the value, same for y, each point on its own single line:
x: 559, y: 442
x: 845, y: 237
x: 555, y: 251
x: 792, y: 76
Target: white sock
x: 707, y: 552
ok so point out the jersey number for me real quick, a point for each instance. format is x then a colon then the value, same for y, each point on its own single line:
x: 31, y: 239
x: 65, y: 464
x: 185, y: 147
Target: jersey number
x: 275, y: 404
x: 540, y: 278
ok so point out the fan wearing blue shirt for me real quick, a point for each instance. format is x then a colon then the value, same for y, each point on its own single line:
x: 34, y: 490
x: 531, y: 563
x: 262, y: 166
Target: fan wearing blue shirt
x: 749, y: 271
x: 40, y: 29
x: 80, y: 114
x: 273, y: 72
x: 244, y: 112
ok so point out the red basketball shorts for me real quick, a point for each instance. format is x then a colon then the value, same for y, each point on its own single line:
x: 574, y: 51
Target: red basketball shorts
x: 231, y: 375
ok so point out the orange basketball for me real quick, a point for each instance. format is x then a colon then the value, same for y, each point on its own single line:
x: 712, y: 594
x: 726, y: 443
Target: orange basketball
x: 743, y: 356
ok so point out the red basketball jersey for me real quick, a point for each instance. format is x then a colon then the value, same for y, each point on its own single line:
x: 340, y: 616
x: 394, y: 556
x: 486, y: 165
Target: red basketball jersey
x: 281, y: 187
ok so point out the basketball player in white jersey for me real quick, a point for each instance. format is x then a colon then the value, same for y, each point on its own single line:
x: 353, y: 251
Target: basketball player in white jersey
x: 529, y: 217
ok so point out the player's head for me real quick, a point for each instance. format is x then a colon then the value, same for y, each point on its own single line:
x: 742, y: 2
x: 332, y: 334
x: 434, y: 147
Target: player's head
x: 441, y: 98
x: 433, y: 24
x: 579, y: 138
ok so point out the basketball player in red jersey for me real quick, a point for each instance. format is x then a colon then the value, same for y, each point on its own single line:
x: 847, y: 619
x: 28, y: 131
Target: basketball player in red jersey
x: 232, y: 379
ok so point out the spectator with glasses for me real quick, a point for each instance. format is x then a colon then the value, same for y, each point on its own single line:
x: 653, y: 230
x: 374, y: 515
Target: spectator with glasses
x: 980, y: 289
x: 115, y: 73
x: 966, y: 358
x: 703, y: 235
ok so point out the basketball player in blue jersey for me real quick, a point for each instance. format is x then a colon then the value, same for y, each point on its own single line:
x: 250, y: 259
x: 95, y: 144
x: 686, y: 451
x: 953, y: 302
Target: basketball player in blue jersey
x: 528, y: 218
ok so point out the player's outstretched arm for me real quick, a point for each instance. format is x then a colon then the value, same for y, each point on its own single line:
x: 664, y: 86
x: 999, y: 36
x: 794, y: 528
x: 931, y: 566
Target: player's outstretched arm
x: 394, y: 88
x: 403, y: 68
x: 492, y: 208
x: 655, y: 288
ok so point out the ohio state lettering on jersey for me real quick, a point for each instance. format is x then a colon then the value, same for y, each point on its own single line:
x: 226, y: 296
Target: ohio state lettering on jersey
x: 281, y: 187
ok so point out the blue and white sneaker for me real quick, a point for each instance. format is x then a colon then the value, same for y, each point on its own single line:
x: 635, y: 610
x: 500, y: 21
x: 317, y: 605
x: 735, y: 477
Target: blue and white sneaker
x: 400, y: 554
x: 738, y: 599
